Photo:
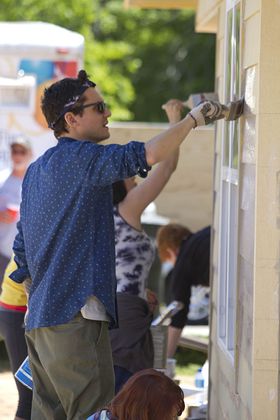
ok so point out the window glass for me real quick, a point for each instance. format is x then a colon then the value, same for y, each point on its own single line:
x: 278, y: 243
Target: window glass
x: 228, y: 254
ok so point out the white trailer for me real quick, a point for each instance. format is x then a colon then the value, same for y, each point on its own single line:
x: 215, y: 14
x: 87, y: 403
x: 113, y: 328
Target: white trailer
x: 32, y: 56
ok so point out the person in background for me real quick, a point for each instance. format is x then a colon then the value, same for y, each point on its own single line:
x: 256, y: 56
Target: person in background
x: 189, y: 254
x: 10, y: 197
x: 12, y: 311
x: 132, y: 345
x: 65, y: 245
x: 147, y: 395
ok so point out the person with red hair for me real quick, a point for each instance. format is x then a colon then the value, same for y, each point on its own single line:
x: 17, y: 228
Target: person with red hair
x: 189, y: 254
x: 147, y: 395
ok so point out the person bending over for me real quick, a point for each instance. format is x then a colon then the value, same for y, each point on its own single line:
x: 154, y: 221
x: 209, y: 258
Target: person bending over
x: 189, y: 253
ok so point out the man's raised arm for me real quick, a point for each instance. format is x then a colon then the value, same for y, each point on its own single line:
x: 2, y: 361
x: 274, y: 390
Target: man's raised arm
x: 165, y: 143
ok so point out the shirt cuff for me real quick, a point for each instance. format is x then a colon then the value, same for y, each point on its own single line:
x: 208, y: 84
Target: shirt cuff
x: 20, y: 274
x: 143, y: 168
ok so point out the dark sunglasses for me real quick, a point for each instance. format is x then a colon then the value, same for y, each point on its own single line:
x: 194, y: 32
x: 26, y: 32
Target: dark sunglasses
x: 100, y: 106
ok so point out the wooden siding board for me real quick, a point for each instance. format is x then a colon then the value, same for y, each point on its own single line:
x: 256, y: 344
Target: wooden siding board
x: 258, y: 298
x: 221, y: 17
x: 267, y: 291
x: 268, y: 365
x: 246, y: 242
x: 266, y: 321
x: 223, y: 399
x: 270, y: 58
x: 244, y: 384
x: 267, y: 212
x: 266, y: 339
x: 207, y: 16
x: 247, y: 193
x: 245, y: 330
x: 251, y: 50
x: 265, y: 400
x: 251, y: 7
x: 269, y: 141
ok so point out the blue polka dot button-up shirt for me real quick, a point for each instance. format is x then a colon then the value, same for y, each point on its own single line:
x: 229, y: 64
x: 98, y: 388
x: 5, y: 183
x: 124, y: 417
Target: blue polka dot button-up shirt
x: 65, y: 239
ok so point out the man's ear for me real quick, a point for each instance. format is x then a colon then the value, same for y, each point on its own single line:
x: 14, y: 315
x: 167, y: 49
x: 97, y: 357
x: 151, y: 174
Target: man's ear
x: 70, y: 119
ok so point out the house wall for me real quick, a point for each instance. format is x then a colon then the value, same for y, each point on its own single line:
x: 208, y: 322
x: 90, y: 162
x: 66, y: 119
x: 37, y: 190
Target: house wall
x: 229, y: 394
x: 187, y: 198
x: 207, y: 15
x: 247, y: 387
x: 266, y: 270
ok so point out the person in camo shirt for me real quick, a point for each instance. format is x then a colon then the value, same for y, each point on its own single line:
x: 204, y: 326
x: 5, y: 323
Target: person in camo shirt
x: 132, y: 345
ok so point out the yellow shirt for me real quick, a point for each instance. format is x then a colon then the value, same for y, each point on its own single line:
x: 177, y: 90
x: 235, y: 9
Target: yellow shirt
x: 12, y: 293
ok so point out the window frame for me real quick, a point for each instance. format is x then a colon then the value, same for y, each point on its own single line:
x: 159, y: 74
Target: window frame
x: 229, y: 187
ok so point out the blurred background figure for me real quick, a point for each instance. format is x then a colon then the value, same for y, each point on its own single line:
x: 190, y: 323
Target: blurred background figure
x: 147, y: 395
x: 13, y: 302
x: 189, y: 254
x: 132, y: 344
x: 10, y: 197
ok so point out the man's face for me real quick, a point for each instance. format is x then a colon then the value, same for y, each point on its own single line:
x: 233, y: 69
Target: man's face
x: 21, y: 156
x: 93, y: 124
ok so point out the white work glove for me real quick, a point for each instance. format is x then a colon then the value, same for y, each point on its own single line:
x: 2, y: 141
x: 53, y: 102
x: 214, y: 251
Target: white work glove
x: 207, y: 112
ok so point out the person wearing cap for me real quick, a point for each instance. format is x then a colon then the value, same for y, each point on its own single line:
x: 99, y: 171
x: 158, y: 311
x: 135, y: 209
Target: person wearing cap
x: 65, y: 245
x: 10, y: 197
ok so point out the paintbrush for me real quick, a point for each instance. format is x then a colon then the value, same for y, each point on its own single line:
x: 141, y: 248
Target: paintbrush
x: 234, y: 108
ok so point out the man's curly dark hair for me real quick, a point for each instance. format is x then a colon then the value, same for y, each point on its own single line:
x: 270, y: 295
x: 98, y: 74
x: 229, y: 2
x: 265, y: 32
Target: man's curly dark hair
x: 63, y: 96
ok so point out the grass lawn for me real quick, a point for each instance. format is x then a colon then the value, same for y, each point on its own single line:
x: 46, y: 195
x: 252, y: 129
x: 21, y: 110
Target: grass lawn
x: 188, y: 361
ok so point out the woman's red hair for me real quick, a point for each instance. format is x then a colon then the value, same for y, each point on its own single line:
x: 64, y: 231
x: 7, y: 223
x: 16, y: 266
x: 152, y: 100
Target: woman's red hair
x: 170, y: 236
x: 148, y: 395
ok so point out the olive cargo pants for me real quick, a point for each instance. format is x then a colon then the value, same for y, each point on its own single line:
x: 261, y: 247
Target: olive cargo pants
x: 72, y: 369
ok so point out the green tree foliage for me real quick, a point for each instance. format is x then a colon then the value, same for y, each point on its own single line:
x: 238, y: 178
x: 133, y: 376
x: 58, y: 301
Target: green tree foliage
x: 74, y: 15
x: 139, y: 58
x: 160, y: 57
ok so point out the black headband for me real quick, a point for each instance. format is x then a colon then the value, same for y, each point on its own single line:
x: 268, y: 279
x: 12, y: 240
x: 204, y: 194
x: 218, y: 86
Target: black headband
x: 72, y: 101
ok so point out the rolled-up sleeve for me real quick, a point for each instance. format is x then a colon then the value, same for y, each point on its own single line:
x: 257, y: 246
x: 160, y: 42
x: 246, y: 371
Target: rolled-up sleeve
x: 114, y: 162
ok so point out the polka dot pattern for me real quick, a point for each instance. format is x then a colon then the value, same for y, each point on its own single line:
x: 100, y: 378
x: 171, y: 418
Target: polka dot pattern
x: 65, y: 239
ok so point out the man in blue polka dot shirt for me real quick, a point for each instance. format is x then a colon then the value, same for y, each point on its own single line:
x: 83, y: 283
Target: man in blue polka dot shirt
x: 65, y: 245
